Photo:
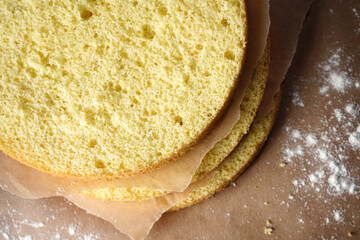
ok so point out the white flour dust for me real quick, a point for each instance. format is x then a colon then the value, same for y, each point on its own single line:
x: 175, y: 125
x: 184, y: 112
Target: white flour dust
x: 339, y: 81
x: 27, y: 237
x: 321, y: 153
x: 14, y: 224
x: 357, y: 15
x: 354, y: 138
x: 338, y: 215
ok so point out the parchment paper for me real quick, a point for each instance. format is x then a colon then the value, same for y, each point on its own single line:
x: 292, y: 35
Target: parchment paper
x: 283, y: 47
x: 134, y: 218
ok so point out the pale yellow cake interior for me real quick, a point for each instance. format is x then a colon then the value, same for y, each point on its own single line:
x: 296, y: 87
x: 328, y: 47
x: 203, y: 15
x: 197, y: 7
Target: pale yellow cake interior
x: 217, y: 154
x: 100, y: 88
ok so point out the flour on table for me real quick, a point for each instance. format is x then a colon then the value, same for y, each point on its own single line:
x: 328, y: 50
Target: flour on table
x: 297, y: 101
x: 339, y: 115
x: 311, y: 139
x: 32, y: 224
x: 354, y: 138
x: 339, y: 81
x: 352, y: 109
x: 338, y: 215
x: 296, y: 134
x: 321, y: 154
x: 357, y: 15
x: 90, y: 237
x: 332, y: 174
x: 14, y: 225
x: 72, y: 230
x: 27, y: 237
x: 5, y: 235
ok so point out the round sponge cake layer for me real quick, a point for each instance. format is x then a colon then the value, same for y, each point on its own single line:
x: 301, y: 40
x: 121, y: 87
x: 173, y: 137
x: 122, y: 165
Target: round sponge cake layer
x: 217, y: 154
x: 101, y: 89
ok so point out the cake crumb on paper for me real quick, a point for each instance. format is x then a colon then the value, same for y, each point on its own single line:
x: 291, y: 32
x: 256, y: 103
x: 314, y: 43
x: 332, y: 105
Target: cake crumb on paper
x: 268, y: 223
x: 269, y: 229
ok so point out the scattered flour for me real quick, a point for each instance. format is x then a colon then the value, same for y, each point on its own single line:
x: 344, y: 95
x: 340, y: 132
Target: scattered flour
x: 316, y: 177
x: 354, y: 138
x: 311, y: 139
x: 295, y: 182
x: 27, y: 237
x: 33, y: 224
x: 339, y: 81
x: 338, y: 215
x: 297, y: 101
x: 324, y: 89
x: 90, y: 237
x: 357, y: 15
x: 5, y: 235
x: 37, y: 225
x: 321, y: 153
x: 339, y: 181
x: 331, y: 174
x: 296, y: 134
x: 72, y: 230
x: 352, y: 109
x: 338, y: 114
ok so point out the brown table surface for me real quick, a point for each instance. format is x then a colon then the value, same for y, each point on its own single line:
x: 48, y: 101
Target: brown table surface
x: 316, y: 134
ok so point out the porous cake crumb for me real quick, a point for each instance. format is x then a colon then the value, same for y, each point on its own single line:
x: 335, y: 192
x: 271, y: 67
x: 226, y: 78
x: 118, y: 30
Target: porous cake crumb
x: 269, y: 229
x: 283, y: 164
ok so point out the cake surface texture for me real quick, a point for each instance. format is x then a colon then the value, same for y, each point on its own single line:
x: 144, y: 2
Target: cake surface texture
x: 102, y: 89
x: 248, y: 108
